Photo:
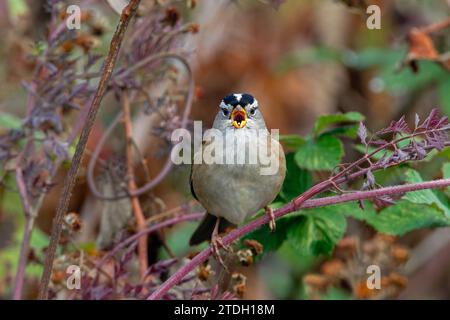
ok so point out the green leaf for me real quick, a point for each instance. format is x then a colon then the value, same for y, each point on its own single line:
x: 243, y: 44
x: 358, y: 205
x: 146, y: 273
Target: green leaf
x: 334, y: 293
x: 406, y: 80
x: 392, y: 79
x: 406, y: 216
x: 377, y: 156
x: 297, y: 263
x: 9, y: 121
x: 14, y: 222
x: 444, y: 96
x: 316, y: 231
x: 17, y: 8
x: 350, y: 131
x: 292, y: 141
x: 446, y: 170
x: 323, y: 153
x: 178, y: 240
x: 327, y: 120
x: 446, y: 173
x: 297, y: 180
x: 400, y: 218
x: 426, y: 196
x: 271, y: 241
x: 372, y: 57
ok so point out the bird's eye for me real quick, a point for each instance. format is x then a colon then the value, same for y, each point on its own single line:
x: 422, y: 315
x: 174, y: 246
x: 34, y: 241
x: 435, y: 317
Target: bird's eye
x: 225, y: 112
x: 253, y: 111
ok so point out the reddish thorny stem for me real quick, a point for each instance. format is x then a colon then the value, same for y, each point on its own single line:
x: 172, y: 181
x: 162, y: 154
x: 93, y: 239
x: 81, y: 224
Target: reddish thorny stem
x: 302, y: 202
x: 146, y: 231
x: 312, y: 203
x: 135, y: 204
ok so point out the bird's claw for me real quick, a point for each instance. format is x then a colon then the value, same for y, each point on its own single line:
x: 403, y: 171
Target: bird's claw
x: 272, y: 224
x: 216, y: 244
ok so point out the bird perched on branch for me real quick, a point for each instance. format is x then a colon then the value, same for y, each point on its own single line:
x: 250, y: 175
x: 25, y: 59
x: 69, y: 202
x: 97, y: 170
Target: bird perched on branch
x: 240, y: 186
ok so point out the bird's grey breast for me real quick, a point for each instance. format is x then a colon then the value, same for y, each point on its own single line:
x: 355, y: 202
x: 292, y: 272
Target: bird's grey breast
x: 237, y: 190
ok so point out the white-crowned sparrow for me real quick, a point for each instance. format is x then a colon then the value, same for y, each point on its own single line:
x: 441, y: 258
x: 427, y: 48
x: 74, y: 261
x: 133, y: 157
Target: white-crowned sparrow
x: 231, y: 192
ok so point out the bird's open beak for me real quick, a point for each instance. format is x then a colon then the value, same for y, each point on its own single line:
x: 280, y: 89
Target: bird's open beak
x: 239, y: 117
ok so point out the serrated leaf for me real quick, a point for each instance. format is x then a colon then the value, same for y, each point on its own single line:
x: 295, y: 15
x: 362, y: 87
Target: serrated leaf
x: 297, y: 180
x: 316, y: 231
x: 323, y: 153
x: 327, y: 120
x: 400, y: 218
x: 406, y: 216
x: 426, y: 196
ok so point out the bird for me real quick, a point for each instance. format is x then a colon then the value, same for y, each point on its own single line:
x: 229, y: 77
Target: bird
x: 232, y: 192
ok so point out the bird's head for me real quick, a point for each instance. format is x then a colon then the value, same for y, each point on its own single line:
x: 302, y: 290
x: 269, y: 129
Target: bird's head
x: 239, y: 111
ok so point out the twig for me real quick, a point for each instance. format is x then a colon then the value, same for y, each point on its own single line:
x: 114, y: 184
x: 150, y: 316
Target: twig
x: 170, y: 212
x: 301, y: 202
x: 137, y: 210
x: 69, y: 183
x: 25, y: 246
x: 435, y: 27
x: 146, y: 231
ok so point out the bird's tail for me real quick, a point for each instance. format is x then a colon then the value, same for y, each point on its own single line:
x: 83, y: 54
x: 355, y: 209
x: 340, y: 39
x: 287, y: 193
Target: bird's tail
x: 206, y: 228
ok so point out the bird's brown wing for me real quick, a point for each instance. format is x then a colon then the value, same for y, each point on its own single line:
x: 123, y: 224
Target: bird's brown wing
x: 190, y: 177
x: 192, y: 185
x: 206, y: 226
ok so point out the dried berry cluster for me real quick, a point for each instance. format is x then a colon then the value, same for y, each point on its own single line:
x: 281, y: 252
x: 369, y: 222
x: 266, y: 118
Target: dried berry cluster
x: 348, y: 269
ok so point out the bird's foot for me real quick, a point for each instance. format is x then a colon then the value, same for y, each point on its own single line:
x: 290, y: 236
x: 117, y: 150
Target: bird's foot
x: 272, y: 224
x: 216, y: 244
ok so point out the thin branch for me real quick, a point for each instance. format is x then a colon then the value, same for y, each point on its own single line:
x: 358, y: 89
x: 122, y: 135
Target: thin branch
x: 171, y: 212
x: 435, y: 27
x: 29, y: 223
x: 146, y: 231
x: 301, y: 203
x: 69, y: 182
x: 137, y: 210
